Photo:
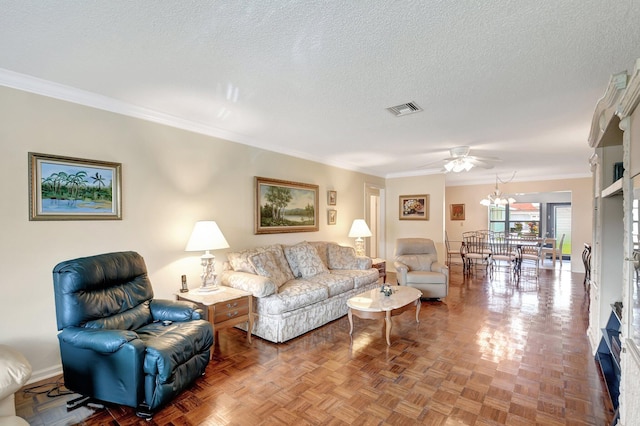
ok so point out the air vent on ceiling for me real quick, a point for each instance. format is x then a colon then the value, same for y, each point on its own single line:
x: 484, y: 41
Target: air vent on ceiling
x: 404, y: 109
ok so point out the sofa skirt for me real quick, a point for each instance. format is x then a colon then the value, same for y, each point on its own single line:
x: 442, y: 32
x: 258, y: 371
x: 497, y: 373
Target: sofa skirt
x: 287, y: 325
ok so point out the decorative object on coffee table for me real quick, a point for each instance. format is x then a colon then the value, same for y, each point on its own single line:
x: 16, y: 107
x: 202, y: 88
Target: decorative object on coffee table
x: 206, y: 236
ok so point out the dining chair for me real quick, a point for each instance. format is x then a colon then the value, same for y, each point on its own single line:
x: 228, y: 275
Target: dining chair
x: 559, y: 250
x: 549, y: 248
x: 586, y: 260
x: 503, y: 250
x: 475, y: 250
x: 451, y: 252
x: 530, y: 250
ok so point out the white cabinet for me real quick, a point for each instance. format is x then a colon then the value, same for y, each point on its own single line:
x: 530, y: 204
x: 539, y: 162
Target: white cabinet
x: 615, y: 272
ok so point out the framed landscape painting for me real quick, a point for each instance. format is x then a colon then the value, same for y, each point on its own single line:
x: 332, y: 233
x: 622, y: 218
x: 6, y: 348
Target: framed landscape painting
x: 285, y: 206
x: 66, y: 188
x: 414, y: 207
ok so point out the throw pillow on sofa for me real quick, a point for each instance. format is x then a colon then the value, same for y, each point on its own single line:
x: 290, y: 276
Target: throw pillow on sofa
x: 304, y: 260
x: 341, y: 257
x: 266, y: 265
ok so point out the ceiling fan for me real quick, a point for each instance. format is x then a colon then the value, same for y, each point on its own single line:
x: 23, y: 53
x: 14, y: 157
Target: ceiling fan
x: 460, y: 160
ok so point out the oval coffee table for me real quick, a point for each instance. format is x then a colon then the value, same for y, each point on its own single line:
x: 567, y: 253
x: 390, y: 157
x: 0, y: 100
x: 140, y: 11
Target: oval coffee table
x: 373, y: 304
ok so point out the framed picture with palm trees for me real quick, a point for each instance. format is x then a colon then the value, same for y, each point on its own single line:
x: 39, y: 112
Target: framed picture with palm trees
x: 67, y: 188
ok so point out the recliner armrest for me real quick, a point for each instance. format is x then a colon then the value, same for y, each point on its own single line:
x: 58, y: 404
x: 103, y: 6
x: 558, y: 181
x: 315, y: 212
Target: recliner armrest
x: 401, y: 272
x: 97, y: 339
x: 439, y: 267
x: 172, y: 310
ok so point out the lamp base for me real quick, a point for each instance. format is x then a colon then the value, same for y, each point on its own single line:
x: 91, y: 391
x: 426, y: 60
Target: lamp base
x: 208, y: 289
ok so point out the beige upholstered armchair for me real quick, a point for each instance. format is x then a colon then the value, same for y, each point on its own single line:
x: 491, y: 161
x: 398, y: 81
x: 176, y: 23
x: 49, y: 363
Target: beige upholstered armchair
x: 416, y: 265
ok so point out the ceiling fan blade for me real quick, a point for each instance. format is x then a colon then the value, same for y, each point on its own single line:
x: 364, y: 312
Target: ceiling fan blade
x: 488, y: 159
x: 481, y: 163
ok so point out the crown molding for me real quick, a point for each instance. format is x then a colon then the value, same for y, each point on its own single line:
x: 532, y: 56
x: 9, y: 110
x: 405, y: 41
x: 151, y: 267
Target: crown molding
x: 62, y: 92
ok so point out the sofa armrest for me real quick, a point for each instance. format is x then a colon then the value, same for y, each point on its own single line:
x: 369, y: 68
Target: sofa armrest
x: 97, y: 339
x: 401, y: 272
x: 173, y: 310
x: 363, y: 262
x: 257, y: 285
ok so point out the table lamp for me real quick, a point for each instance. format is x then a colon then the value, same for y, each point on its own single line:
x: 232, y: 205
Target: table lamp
x: 206, y: 235
x: 359, y: 229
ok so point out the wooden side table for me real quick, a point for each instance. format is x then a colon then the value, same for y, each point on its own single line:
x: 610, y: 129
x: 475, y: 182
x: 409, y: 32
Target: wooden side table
x: 224, y: 308
x: 381, y: 266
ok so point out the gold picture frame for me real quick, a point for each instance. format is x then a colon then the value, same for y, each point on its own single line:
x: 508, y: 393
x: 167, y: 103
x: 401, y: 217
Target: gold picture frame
x: 332, y: 216
x: 332, y: 198
x: 285, y: 206
x: 414, y: 207
x: 68, y: 188
x: 457, y: 211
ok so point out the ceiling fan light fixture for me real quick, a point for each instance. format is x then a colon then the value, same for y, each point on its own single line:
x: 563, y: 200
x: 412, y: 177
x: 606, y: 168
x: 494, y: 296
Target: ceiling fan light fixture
x: 458, y: 165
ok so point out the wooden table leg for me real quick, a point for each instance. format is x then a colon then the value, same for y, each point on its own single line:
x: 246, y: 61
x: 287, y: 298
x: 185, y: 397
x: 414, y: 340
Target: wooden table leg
x: 387, y: 320
x: 350, y: 315
x: 418, y: 304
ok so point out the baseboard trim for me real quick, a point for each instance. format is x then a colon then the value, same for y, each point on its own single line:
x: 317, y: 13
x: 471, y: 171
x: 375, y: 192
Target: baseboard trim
x: 45, y: 373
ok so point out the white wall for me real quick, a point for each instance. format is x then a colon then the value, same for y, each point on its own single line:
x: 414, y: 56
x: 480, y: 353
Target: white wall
x: 433, y: 185
x: 171, y: 178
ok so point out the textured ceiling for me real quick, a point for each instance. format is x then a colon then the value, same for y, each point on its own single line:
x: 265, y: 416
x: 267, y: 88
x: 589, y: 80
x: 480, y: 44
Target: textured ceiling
x: 514, y: 79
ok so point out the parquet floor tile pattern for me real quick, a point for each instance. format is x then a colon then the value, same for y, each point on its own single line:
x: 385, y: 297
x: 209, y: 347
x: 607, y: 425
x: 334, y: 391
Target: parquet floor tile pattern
x: 494, y: 352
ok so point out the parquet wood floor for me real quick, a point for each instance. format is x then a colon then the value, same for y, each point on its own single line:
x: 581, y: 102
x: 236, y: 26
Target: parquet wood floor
x: 494, y: 352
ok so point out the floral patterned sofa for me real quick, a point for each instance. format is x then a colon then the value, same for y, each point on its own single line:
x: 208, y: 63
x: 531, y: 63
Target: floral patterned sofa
x: 299, y: 287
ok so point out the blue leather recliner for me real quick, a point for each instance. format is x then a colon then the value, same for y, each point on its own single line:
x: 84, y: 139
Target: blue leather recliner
x: 117, y: 343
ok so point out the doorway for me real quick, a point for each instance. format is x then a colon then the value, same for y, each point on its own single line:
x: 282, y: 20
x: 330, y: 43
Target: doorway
x: 558, y: 223
x: 374, y: 215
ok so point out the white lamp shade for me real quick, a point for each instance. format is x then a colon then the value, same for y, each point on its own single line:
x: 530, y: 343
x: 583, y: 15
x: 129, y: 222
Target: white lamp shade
x: 206, y: 235
x: 359, y: 229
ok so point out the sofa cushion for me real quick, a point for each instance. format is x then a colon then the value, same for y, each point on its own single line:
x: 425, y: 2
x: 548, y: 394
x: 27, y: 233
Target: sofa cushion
x: 416, y: 262
x: 335, y: 284
x: 292, y: 295
x: 321, y: 248
x: 265, y: 265
x: 341, y: 257
x: 360, y: 278
x: 281, y: 261
x: 257, y: 285
x: 304, y: 259
x: 240, y: 262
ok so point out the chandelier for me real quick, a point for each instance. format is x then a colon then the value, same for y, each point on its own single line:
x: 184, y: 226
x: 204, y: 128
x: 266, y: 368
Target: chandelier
x: 497, y: 198
x: 457, y: 165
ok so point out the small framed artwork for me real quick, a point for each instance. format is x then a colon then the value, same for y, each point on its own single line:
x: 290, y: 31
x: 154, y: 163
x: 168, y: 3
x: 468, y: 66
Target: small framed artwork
x: 66, y: 188
x: 332, y: 216
x: 414, y: 207
x: 285, y: 206
x: 457, y: 211
x: 332, y: 198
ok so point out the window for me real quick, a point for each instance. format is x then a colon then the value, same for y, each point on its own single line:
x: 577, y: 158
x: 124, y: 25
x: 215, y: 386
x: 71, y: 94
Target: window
x: 518, y: 218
